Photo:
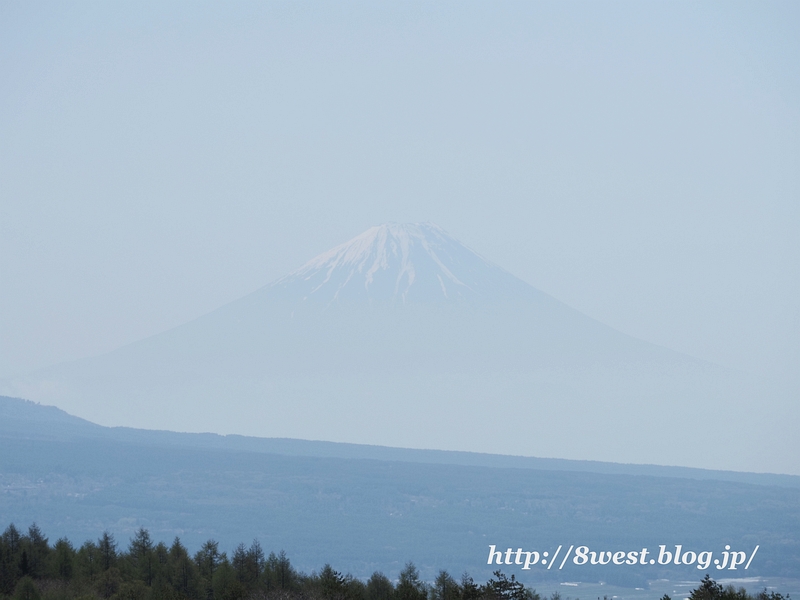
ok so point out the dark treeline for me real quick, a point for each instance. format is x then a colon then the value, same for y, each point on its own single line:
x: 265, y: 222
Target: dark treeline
x: 32, y: 569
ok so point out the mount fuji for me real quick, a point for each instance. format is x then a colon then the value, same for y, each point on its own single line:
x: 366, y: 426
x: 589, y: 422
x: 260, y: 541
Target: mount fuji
x: 400, y: 264
x: 403, y: 336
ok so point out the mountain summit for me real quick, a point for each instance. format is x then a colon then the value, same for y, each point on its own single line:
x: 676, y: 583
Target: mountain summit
x: 400, y: 263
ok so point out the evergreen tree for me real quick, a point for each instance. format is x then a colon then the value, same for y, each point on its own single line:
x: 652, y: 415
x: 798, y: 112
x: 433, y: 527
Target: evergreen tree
x: 107, y: 548
x: 331, y: 584
x: 503, y: 588
x: 248, y: 564
x: 160, y: 567
x: 12, y: 540
x: 37, y: 550
x: 445, y: 588
x: 225, y: 584
x: 63, y: 560
x: 469, y: 589
x: 141, y: 556
x: 254, y: 564
x: 279, y: 573
x: 88, y: 561
x: 208, y: 559
x: 732, y: 593
x: 764, y: 595
x: 10, y: 551
x: 379, y: 587
x: 707, y: 590
x: 355, y: 589
x: 239, y: 563
x: 182, y: 572
x: 410, y: 586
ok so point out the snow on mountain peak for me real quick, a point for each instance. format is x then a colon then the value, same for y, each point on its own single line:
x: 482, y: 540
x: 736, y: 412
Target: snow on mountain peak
x: 401, y: 263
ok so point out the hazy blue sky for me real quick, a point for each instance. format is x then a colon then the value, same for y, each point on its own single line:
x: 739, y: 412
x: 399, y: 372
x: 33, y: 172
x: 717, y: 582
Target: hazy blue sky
x: 639, y: 161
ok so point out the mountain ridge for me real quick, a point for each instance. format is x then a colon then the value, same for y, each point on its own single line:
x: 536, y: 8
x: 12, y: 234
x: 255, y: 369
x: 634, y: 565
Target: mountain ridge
x: 24, y: 419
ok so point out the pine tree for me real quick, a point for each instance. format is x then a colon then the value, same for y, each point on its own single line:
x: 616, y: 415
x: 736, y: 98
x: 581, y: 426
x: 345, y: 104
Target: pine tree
x: 107, y: 548
x: 63, y: 560
x: 140, y: 554
x: 410, y: 586
x: 379, y: 587
x: 707, y: 590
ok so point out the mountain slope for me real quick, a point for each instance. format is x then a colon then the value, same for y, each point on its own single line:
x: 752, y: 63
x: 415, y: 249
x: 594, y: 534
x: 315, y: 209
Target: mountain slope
x: 405, y: 337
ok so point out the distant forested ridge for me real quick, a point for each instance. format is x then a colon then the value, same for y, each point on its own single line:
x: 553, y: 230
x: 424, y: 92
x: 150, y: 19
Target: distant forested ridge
x: 367, y: 508
x: 33, y: 569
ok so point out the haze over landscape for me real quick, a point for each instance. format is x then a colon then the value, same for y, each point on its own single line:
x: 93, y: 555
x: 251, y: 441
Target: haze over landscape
x: 377, y: 282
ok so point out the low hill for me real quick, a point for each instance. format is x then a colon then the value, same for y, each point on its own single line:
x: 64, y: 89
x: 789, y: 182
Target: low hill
x: 367, y: 508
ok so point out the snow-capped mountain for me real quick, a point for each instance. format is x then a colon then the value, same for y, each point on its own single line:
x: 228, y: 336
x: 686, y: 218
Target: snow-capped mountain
x: 404, y: 336
x: 400, y: 263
